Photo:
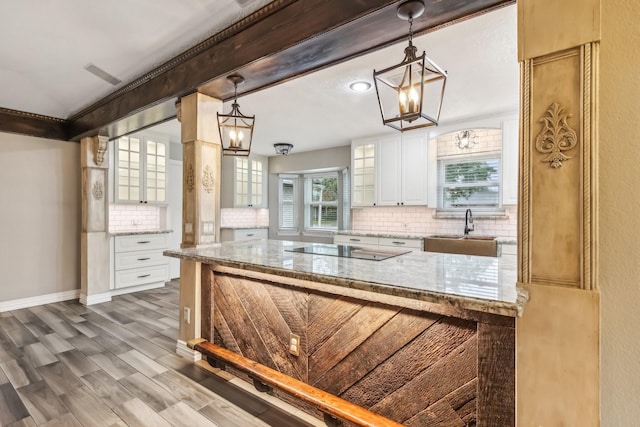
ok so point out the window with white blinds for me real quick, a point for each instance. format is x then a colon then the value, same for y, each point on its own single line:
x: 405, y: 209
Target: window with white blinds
x: 469, y: 182
x: 288, y: 190
x: 314, y: 201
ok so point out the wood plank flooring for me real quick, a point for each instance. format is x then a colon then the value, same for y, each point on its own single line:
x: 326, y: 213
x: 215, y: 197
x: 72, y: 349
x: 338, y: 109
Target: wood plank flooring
x: 114, y: 364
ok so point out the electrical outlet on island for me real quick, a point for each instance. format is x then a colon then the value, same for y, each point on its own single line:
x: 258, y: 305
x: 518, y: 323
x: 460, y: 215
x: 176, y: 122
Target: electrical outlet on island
x: 294, y: 344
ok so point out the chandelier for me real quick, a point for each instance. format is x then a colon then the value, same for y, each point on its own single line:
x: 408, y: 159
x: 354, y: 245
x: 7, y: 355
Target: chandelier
x: 410, y: 93
x: 236, y: 129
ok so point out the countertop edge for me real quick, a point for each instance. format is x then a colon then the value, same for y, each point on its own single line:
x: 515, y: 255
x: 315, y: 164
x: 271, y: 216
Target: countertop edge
x: 514, y: 309
x: 417, y: 236
x: 262, y: 227
x: 135, y: 233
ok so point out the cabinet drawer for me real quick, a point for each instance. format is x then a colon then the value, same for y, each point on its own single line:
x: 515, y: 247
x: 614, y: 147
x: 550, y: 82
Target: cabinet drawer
x: 141, y: 276
x: 251, y: 234
x: 402, y: 243
x: 138, y: 259
x: 231, y: 235
x: 355, y: 240
x: 140, y: 242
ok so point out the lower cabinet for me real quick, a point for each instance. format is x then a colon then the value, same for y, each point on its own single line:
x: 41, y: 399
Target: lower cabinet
x: 382, y: 242
x: 139, y: 260
x: 237, y: 234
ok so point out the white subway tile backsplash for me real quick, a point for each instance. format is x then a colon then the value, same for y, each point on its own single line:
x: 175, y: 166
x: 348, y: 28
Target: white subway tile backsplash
x: 133, y: 218
x: 421, y: 220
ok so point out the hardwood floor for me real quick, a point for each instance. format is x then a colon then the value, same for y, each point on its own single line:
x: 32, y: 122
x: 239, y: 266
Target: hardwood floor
x: 114, y: 364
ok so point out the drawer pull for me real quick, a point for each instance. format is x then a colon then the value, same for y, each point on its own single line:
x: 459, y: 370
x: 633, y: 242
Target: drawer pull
x: 144, y: 259
x: 143, y: 276
x: 250, y: 234
x: 354, y: 240
x: 144, y: 241
x: 398, y: 243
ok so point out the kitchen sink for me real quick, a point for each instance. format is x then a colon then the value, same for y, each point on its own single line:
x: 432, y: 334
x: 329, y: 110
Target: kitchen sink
x: 460, y: 244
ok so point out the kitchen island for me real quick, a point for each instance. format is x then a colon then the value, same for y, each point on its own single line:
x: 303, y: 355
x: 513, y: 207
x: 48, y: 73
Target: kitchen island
x: 418, y: 337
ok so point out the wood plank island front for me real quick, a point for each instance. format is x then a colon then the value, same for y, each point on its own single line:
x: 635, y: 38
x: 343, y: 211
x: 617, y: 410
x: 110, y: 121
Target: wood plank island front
x: 421, y: 338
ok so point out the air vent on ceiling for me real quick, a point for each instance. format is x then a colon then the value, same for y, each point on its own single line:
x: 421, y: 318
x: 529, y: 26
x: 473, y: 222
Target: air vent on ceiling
x: 99, y: 72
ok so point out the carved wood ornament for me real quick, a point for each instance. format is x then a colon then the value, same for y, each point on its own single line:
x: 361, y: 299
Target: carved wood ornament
x: 100, y: 145
x: 190, y: 178
x: 98, y: 190
x: 556, y: 136
x: 207, y: 179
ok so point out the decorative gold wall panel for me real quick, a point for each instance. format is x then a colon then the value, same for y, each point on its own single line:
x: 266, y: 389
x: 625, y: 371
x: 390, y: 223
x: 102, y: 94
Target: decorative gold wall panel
x: 556, y: 202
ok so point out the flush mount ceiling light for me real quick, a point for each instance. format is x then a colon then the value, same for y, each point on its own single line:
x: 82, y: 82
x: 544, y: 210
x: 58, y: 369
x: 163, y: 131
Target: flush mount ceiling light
x: 466, y: 139
x: 236, y: 129
x: 410, y: 94
x: 283, y: 148
x: 360, y: 86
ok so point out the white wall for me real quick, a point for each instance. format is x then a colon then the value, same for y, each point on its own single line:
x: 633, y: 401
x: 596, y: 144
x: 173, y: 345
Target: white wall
x: 619, y: 186
x: 39, y: 216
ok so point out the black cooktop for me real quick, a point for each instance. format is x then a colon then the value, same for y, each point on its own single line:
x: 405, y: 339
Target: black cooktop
x: 344, y: 251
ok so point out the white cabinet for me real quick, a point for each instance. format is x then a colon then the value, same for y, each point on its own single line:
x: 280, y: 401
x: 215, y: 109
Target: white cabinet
x: 141, y: 170
x: 363, y: 173
x: 139, y: 260
x: 390, y: 171
x: 413, y: 244
x: 250, y: 183
x: 239, y: 234
x: 389, y: 179
x: 510, y: 162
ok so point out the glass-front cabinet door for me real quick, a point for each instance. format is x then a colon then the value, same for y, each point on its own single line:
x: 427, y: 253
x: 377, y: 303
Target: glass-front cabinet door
x: 364, y: 174
x: 249, y: 183
x: 141, y: 170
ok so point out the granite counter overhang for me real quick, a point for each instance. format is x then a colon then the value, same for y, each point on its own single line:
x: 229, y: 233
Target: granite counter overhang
x: 484, y: 284
x: 138, y: 232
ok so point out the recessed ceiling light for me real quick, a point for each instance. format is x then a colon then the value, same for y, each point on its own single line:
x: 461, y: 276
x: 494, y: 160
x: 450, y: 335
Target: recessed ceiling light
x: 360, y: 86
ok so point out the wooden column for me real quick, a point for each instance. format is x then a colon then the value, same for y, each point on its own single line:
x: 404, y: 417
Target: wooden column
x: 202, y: 153
x: 95, y: 268
x: 558, y: 336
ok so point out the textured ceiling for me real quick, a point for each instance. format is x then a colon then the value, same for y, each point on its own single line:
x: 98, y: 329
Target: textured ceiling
x: 47, y: 44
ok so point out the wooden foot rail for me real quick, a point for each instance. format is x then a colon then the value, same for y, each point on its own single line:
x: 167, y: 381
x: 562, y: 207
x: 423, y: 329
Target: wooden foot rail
x: 328, y: 403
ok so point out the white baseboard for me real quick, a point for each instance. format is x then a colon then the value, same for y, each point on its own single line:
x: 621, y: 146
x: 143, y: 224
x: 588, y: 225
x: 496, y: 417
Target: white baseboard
x: 95, y: 299
x: 130, y: 289
x: 20, y: 303
x: 183, y: 350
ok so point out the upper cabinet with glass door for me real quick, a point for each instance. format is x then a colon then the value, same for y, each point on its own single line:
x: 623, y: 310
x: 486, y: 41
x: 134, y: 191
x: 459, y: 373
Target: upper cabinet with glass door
x: 141, y: 172
x: 250, y: 183
x: 363, y: 167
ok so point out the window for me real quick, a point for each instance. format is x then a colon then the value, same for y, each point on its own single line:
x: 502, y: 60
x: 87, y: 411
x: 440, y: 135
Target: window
x: 288, y: 190
x: 470, y: 177
x: 321, y: 201
x: 472, y: 182
x: 318, y: 202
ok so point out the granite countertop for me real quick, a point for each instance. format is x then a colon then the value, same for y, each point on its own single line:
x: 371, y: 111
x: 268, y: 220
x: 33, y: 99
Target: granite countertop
x: 395, y: 235
x: 392, y: 235
x: 137, y: 232
x: 485, y: 284
x: 245, y: 228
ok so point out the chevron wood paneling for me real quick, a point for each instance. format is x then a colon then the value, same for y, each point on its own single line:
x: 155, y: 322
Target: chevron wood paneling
x: 371, y: 354
x: 255, y: 319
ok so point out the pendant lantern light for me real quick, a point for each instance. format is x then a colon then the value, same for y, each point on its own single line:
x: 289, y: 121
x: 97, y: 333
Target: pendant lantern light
x: 410, y: 93
x: 236, y: 129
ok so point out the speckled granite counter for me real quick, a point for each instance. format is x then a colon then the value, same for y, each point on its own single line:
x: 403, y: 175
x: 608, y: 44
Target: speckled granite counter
x: 482, y: 284
x: 135, y: 233
x: 261, y: 227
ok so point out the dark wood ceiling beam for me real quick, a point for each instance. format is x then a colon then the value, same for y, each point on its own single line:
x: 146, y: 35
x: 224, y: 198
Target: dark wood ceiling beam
x: 13, y: 121
x: 285, y: 39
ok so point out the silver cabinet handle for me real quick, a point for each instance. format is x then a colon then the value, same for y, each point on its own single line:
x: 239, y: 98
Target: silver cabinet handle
x: 354, y: 240
x: 144, y: 275
x: 398, y: 243
x: 249, y: 235
x: 144, y: 241
x: 144, y: 259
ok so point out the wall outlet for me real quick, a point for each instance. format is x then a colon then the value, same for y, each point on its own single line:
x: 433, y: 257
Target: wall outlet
x: 294, y: 344
x: 187, y: 315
